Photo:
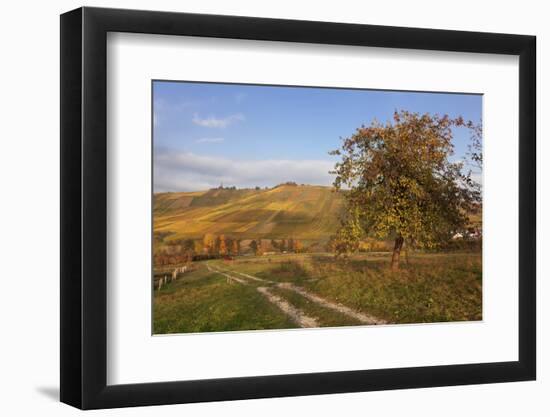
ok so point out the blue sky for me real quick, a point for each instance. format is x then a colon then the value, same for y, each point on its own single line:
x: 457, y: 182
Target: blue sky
x: 248, y: 135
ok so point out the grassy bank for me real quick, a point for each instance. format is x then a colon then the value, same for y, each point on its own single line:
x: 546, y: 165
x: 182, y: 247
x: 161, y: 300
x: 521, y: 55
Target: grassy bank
x: 206, y: 302
x: 431, y: 288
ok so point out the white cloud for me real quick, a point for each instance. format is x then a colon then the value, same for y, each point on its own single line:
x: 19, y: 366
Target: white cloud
x: 209, y: 140
x: 219, y: 123
x: 183, y: 171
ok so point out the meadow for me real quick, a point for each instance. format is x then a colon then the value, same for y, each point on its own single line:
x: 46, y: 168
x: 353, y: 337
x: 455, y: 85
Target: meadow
x: 317, y: 290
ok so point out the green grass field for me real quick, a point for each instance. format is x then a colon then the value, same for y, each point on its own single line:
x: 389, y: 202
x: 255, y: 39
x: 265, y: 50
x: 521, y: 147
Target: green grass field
x: 205, y: 302
x: 277, y: 292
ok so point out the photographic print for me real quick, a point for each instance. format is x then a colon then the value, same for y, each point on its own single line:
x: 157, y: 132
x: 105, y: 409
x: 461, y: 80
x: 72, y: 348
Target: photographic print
x: 280, y: 207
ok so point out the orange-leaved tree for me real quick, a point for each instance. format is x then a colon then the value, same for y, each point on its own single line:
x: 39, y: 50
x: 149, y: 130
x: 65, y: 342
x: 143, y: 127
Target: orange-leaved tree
x: 401, y: 183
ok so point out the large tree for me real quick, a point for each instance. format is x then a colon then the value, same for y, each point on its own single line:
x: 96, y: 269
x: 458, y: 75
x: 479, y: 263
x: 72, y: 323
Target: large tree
x: 402, y: 183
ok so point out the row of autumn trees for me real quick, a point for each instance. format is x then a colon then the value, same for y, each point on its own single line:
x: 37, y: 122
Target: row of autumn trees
x: 222, y: 245
x: 213, y: 246
x: 186, y: 250
x: 403, y: 183
x: 287, y: 245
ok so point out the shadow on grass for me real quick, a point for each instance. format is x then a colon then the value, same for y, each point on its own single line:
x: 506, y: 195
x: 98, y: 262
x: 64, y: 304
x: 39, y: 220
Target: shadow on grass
x: 374, y: 263
x: 290, y: 270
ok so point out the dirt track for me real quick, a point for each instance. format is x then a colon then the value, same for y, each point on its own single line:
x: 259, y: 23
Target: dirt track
x: 297, y: 315
x: 294, y: 313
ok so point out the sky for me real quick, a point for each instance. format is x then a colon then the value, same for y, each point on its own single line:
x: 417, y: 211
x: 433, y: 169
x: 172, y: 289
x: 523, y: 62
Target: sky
x: 206, y: 134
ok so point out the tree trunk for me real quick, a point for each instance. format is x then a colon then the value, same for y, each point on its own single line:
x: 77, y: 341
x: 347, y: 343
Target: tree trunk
x: 396, y: 252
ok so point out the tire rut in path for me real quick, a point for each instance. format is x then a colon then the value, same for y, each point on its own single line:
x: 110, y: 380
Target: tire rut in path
x: 247, y: 276
x: 230, y: 278
x: 340, y: 308
x: 296, y: 315
x: 363, y: 318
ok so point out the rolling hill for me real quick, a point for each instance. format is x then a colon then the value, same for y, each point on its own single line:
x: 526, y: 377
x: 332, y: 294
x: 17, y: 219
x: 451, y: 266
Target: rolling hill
x: 303, y: 212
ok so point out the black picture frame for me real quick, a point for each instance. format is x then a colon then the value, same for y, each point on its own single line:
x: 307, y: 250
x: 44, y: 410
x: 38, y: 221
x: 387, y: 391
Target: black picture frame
x: 84, y: 207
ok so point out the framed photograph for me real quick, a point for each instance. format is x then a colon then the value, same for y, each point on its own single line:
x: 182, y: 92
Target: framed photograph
x: 257, y: 208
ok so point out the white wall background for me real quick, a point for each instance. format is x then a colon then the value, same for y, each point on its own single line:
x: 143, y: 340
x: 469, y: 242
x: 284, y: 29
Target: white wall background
x: 29, y: 219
